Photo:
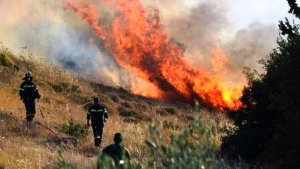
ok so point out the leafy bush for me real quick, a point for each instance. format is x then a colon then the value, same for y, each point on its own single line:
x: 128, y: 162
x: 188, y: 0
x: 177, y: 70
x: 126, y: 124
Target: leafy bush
x: 171, y: 111
x: 161, y: 112
x: 64, y: 87
x: 5, y: 60
x: 115, y: 98
x: 170, y: 125
x: 131, y: 115
x: 78, y: 98
x: 166, y: 111
x: 75, y: 129
x: 269, y: 119
x: 194, y: 147
x: 126, y: 104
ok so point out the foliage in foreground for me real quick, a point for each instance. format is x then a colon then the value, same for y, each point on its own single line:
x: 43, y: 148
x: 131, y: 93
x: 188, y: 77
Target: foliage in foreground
x: 268, y: 122
x: 75, y: 129
x: 5, y: 60
x: 194, y: 147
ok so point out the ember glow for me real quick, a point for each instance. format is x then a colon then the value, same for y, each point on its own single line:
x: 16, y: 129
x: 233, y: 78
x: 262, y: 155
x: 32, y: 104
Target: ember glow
x: 138, y: 41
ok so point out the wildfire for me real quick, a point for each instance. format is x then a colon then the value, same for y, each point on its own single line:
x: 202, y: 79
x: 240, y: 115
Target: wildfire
x: 139, y: 42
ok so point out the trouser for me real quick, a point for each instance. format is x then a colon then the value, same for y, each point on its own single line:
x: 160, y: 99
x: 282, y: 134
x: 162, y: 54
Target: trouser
x: 30, y: 110
x: 97, y: 130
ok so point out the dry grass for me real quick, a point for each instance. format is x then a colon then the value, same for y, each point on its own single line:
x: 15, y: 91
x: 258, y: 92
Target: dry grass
x: 66, y: 96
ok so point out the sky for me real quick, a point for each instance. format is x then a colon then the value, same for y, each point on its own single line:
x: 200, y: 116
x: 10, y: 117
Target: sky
x: 246, y: 12
x: 242, y: 12
x: 240, y: 24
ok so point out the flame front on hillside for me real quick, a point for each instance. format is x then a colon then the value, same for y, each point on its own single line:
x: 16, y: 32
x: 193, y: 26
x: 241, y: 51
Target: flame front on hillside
x: 138, y: 41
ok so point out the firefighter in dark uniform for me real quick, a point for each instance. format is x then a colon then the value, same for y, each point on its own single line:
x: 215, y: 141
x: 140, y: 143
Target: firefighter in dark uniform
x: 28, y: 94
x: 117, y: 151
x: 98, y: 116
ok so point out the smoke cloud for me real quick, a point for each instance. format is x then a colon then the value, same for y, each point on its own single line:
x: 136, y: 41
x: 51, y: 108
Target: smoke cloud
x: 208, y: 24
x: 249, y: 46
x: 50, y: 32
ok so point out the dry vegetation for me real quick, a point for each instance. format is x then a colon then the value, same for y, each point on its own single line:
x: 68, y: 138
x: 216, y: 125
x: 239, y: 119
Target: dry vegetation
x: 66, y: 96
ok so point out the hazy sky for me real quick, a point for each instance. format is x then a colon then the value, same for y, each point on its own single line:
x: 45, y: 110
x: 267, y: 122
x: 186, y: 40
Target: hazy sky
x: 40, y: 24
x: 245, y: 12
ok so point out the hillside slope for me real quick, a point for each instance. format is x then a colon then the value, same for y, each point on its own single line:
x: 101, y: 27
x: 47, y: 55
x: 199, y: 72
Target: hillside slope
x: 66, y: 96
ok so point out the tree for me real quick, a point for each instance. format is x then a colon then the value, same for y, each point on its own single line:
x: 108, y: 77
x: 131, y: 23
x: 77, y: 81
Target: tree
x: 268, y: 121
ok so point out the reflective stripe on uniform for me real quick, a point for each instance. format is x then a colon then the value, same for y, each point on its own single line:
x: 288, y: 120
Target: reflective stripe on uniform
x: 97, y: 137
x: 28, y: 86
x: 93, y: 110
x: 22, y: 89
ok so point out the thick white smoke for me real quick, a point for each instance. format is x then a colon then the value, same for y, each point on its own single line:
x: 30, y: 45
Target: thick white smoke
x: 50, y: 32
x: 207, y: 24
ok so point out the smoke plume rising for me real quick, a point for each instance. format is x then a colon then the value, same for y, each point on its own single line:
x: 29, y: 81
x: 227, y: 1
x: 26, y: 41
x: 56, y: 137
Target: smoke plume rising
x: 49, y: 31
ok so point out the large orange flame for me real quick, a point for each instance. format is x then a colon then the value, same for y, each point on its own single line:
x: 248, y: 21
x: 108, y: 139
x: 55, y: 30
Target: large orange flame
x: 139, y: 42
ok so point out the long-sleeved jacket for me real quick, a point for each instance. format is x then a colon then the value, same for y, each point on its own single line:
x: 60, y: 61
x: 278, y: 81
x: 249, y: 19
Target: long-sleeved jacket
x: 97, y: 114
x: 29, y: 91
x: 117, y: 152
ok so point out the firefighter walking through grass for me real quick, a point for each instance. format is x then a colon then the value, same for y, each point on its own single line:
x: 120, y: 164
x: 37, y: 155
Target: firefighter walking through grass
x: 28, y: 94
x: 117, y: 151
x: 97, y: 114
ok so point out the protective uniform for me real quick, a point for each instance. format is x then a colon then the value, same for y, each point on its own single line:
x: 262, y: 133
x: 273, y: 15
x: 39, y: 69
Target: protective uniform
x: 28, y: 94
x: 117, y: 151
x: 98, y: 116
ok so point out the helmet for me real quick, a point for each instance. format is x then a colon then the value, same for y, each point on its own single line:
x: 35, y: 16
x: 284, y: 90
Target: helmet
x: 118, y: 138
x: 28, y: 76
x: 96, y: 100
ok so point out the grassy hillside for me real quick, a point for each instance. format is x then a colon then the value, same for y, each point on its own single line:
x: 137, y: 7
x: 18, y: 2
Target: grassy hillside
x: 66, y: 96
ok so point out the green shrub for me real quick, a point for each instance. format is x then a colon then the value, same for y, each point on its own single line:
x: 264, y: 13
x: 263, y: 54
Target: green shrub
x: 57, y: 88
x: 124, y: 96
x: 5, y: 60
x: 171, y: 111
x: 166, y: 111
x: 64, y: 87
x: 126, y: 104
x: 131, y: 114
x: 75, y: 129
x: 268, y: 122
x: 170, y: 125
x: 78, y: 98
x: 161, y: 112
x: 189, y: 117
x: 140, y: 106
x: 115, y: 98
x: 194, y: 147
